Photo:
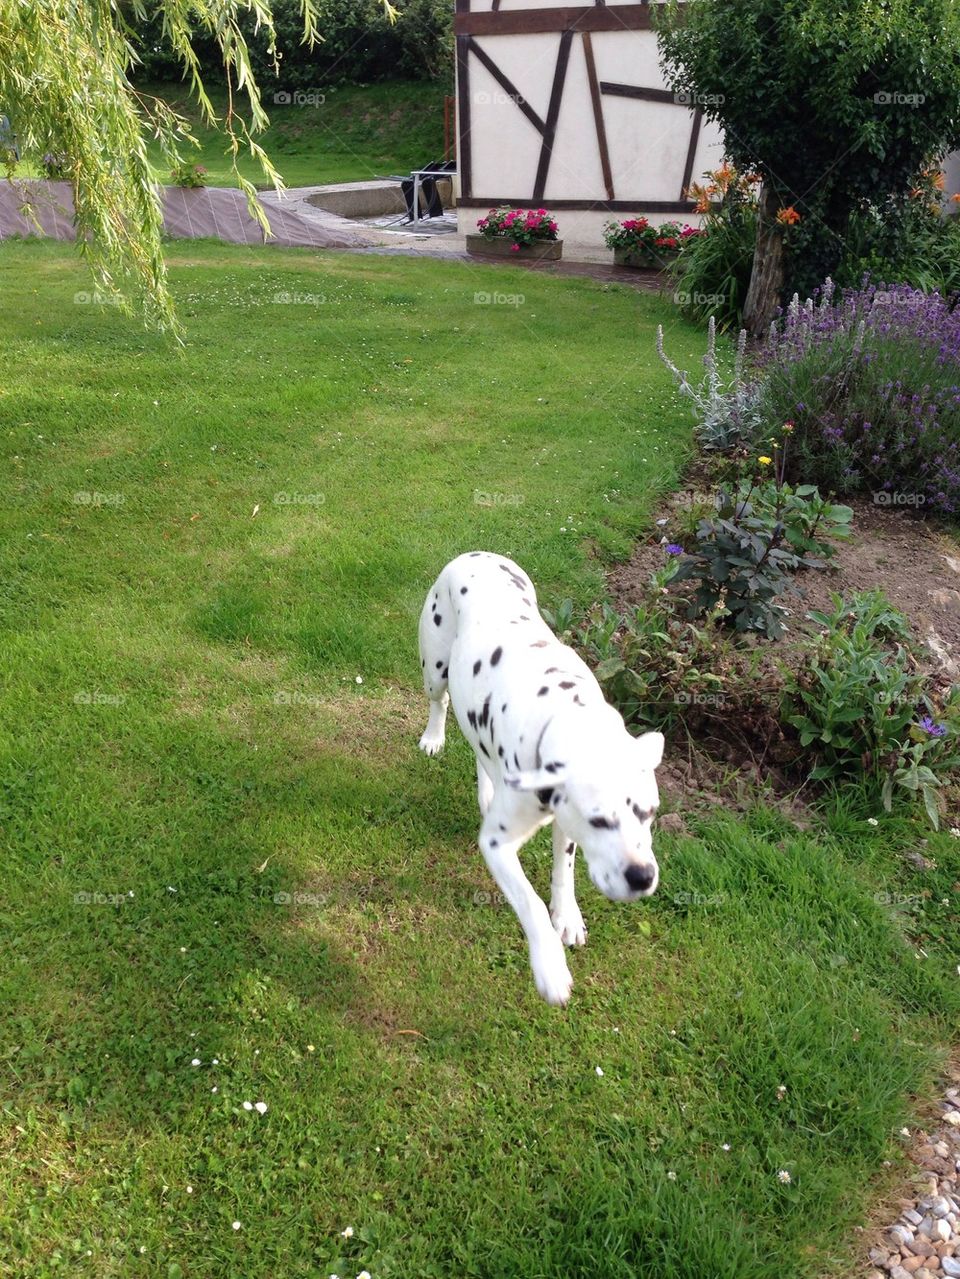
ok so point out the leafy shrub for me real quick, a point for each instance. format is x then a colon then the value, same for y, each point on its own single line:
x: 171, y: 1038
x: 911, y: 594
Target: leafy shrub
x: 860, y: 702
x: 759, y: 534
x: 189, y: 175
x: 359, y: 44
x: 872, y: 385
x: 712, y: 274
x: 55, y: 165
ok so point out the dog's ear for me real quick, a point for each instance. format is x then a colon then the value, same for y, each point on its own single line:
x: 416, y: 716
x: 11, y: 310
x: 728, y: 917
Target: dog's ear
x: 650, y: 750
x: 550, y: 776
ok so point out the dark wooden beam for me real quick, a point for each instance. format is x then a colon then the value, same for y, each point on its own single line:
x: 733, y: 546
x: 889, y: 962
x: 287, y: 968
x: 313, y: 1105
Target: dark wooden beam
x: 501, y: 22
x: 463, y: 115
x: 603, y: 206
x: 506, y: 84
x: 637, y: 91
x: 691, y: 151
x: 598, y: 112
x: 553, y: 112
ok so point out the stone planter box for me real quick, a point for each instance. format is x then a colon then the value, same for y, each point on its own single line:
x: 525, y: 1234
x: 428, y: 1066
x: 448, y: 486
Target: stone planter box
x: 501, y: 247
x: 640, y: 261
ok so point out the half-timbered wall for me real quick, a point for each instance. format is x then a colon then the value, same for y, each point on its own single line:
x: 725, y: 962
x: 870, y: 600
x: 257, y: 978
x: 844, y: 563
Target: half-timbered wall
x: 565, y: 106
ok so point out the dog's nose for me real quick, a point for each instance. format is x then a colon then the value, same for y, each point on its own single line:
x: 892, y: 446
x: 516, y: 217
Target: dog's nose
x: 639, y: 877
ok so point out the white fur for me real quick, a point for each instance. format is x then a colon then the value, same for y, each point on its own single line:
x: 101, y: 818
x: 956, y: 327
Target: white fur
x: 484, y: 647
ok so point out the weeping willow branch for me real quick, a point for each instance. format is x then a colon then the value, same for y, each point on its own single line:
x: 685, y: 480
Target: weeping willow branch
x: 65, y: 84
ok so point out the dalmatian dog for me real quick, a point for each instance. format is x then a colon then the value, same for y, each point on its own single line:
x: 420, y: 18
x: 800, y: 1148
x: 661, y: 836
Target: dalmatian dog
x: 548, y: 748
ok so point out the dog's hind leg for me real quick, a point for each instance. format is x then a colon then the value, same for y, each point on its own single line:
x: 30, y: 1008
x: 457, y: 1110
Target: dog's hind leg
x: 436, y: 637
x: 484, y: 789
x: 564, y: 911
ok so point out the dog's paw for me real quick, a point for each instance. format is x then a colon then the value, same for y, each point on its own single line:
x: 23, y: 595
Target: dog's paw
x: 568, y: 922
x: 552, y: 977
x: 431, y: 745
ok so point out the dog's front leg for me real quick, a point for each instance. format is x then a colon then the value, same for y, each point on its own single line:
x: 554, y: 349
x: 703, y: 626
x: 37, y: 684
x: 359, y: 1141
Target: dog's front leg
x: 500, y: 843
x: 564, y: 910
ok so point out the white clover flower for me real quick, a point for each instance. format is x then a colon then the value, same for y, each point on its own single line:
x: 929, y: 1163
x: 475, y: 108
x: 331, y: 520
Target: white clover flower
x: 195, y: 1062
x: 248, y: 1105
x: 781, y: 1091
x: 725, y: 1146
x: 260, y: 1107
x: 359, y: 679
x: 671, y: 1176
x: 872, y: 821
x: 189, y: 1190
x: 347, y: 1232
x: 599, y: 1070
x: 236, y: 1225
x: 784, y: 1177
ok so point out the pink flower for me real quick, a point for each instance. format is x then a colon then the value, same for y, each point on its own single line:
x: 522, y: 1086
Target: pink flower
x: 514, y: 248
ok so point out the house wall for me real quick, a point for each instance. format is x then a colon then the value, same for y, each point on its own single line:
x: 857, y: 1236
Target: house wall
x: 654, y: 145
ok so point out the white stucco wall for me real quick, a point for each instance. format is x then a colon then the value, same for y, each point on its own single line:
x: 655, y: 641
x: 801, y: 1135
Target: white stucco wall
x: 647, y: 141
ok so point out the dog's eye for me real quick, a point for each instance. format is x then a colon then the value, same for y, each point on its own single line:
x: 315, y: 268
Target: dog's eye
x: 605, y: 823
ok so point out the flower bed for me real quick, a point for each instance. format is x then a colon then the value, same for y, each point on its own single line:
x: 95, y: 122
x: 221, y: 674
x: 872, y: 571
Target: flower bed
x: 636, y: 243
x: 525, y: 232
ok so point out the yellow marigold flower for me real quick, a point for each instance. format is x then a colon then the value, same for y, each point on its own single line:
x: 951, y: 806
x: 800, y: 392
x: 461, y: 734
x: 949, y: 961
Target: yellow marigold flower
x: 764, y: 461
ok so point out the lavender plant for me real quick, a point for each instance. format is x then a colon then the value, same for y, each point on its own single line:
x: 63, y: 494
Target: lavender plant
x: 871, y: 382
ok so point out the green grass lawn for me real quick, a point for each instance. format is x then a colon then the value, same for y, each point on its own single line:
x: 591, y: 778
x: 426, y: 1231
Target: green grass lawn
x: 358, y: 132
x: 355, y: 133
x: 221, y: 847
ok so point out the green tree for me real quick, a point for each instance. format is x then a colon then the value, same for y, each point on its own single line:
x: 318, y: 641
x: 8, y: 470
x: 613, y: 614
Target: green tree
x: 837, y: 106
x: 65, y: 84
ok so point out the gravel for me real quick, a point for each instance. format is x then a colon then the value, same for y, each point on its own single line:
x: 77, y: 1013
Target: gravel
x: 924, y: 1243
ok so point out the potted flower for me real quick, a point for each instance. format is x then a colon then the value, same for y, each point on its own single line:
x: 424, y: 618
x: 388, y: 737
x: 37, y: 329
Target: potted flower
x: 519, y: 233
x: 192, y: 176
x: 637, y: 244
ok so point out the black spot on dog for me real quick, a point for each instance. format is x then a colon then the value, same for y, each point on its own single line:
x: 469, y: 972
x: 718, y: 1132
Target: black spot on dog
x: 443, y: 673
x: 524, y: 618
x: 463, y: 590
x: 551, y: 670
x: 494, y: 843
x: 516, y: 761
x: 439, y: 666
x: 571, y: 848
x: 474, y: 554
x: 605, y: 823
x: 554, y: 766
x: 423, y: 661
x: 577, y: 701
x: 484, y: 749
x: 500, y: 751
x: 568, y: 683
x: 641, y: 814
x: 437, y: 619
x: 485, y: 713
x: 543, y: 691
x: 472, y: 718
x: 527, y: 602
x: 495, y: 656
x: 545, y: 795
x: 503, y: 828
x: 503, y: 709
x: 476, y: 667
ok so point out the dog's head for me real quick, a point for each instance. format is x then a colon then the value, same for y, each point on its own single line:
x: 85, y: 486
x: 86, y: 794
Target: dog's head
x: 606, y: 801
